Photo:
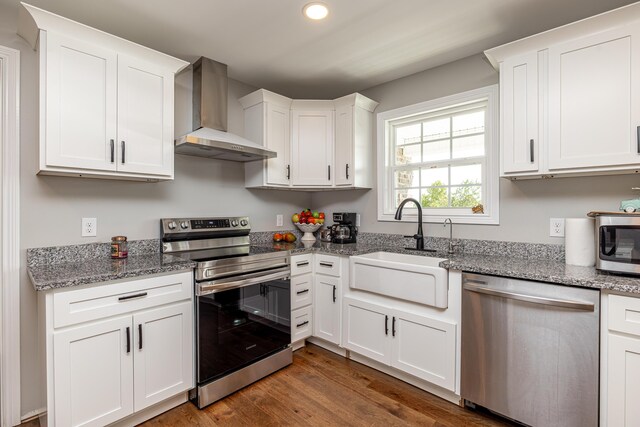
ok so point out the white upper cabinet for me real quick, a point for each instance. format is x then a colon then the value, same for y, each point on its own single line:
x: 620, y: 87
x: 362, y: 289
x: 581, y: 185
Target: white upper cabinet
x: 321, y: 144
x: 312, y: 147
x: 570, y: 98
x: 106, y: 104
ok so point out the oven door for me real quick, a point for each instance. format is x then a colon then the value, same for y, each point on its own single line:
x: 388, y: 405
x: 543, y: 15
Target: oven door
x: 241, y: 320
x: 619, y: 244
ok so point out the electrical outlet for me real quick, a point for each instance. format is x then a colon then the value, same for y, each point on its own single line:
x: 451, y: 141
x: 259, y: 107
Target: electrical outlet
x: 279, y: 220
x: 89, y: 227
x: 556, y: 227
x: 357, y: 220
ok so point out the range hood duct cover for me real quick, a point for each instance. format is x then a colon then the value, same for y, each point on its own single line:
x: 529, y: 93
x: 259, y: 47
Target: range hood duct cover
x: 210, y: 137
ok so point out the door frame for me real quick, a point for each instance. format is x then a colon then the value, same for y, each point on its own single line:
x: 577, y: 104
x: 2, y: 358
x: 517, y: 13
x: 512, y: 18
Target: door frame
x: 10, y: 237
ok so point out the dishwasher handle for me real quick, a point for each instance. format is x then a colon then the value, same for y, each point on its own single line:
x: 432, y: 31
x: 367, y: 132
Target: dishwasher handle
x: 576, y: 305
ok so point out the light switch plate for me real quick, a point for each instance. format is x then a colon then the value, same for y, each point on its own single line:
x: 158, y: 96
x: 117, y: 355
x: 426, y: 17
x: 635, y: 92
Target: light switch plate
x: 89, y: 227
x: 279, y: 220
x: 556, y: 227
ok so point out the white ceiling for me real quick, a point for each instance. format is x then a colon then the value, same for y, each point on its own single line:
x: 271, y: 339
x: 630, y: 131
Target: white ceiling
x: 363, y: 43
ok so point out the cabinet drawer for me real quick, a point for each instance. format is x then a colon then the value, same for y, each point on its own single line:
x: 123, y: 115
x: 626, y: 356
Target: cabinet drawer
x: 82, y: 305
x: 624, y: 314
x: 301, y: 323
x: 328, y: 264
x: 301, y: 264
x: 301, y: 291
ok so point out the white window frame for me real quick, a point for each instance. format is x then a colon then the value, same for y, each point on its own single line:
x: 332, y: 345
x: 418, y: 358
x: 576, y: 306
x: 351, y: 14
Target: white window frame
x: 491, y: 180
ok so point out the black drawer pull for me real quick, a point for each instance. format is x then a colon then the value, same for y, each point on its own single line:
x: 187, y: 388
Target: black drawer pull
x: 302, y: 263
x: 327, y: 264
x: 300, y: 325
x: 302, y: 292
x: 130, y: 297
x: 128, y: 340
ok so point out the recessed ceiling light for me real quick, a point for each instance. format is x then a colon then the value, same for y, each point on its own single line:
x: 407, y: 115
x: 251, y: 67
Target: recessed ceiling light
x: 315, y: 11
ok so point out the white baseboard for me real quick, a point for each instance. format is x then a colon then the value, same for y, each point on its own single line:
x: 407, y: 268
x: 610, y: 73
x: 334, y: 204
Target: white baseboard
x: 328, y: 346
x: 31, y: 415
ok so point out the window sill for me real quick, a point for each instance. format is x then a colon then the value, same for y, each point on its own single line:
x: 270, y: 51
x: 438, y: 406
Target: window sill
x: 480, y: 219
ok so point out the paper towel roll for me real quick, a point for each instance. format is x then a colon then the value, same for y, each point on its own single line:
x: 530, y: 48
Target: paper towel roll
x: 579, y: 241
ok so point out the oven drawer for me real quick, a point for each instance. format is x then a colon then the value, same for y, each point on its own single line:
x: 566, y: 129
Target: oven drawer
x: 301, y: 264
x: 301, y: 323
x: 82, y: 305
x: 624, y: 314
x: 301, y: 291
x: 328, y: 264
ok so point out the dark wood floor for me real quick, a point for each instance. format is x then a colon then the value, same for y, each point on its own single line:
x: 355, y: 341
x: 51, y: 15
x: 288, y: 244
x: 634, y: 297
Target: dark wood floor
x: 324, y: 389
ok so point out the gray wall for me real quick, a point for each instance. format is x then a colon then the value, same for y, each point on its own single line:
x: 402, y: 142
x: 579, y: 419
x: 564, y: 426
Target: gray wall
x: 525, y: 206
x: 52, y: 207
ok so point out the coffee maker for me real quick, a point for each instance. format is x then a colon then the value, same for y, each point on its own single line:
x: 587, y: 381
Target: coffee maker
x: 344, y: 229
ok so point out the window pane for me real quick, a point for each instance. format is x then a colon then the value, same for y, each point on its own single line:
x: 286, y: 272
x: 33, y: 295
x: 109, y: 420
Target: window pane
x: 408, y: 154
x: 435, y: 197
x: 434, y: 151
x: 465, y: 124
x: 466, y: 197
x: 469, y: 146
x: 406, y: 179
x: 407, y: 134
x: 400, y: 195
x: 435, y: 177
x: 470, y: 174
x: 436, y: 129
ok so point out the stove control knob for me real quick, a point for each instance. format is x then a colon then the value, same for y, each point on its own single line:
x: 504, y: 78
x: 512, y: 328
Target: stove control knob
x: 244, y: 222
x: 184, y: 224
x: 172, y: 225
x: 234, y: 222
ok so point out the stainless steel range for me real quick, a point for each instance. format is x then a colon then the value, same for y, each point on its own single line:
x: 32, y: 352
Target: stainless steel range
x: 243, y: 303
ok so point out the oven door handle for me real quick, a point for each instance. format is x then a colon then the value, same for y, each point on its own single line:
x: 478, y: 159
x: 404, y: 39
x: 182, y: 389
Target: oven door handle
x: 206, y: 288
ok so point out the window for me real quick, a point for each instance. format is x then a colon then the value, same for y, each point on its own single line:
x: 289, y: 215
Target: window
x: 442, y: 153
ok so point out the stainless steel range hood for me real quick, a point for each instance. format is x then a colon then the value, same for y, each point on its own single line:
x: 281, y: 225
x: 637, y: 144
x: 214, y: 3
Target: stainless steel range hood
x: 210, y: 137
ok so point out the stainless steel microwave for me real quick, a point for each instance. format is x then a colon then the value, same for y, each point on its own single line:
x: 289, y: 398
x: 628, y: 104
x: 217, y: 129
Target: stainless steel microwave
x: 618, y: 243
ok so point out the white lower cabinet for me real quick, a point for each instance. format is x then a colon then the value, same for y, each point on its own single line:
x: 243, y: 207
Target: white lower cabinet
x: 301, y: 298
x: 419, y: 345
x: 101, y: 370
x: 327, y: 308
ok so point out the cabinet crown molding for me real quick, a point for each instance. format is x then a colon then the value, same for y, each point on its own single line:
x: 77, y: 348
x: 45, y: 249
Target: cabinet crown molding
x: 591, y: 25
x: 32, y: 19
x: 263, y: 95
x: 357, y: 100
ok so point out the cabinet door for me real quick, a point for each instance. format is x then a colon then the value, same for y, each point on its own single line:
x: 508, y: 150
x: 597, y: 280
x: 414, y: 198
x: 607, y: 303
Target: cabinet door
x: 519, y: 113
x: 594, y: 96
x: 623, y: 385
x: 163, y: 353
x: 80, y: 104
x: 424, y: 347
x: 344, y: 146
x: 278, y: 126
x: 93, y: 372
x: 367, y: 329
x: 312, y: 148
x: 145, y: 118
x: 326, y: 307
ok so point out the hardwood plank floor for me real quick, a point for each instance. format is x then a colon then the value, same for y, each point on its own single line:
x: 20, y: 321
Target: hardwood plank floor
x: 324, y: 389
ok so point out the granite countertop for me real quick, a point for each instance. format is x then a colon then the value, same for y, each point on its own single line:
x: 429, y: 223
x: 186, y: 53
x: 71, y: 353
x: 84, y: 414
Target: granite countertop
x: 542, y: 270
x: 62, y: 275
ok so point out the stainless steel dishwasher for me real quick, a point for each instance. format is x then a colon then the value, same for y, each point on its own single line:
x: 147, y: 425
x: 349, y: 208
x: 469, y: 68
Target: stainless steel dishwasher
x: 530, y: 351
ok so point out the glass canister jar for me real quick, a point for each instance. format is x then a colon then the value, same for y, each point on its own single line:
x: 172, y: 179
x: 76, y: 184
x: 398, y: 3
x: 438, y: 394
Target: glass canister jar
x: 119, y: 247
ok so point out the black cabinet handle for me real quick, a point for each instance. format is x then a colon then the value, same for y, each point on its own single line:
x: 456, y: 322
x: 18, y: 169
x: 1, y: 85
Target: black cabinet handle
x: 302, y: 292
x: 130, y: 297
x: 347, y: 170
x: 300, y: 325
x: 128, y: 340
x: 386, y: 324
x: 139, y: 336
x: 531, y: 149
x: 334, y: 293
x: 288, y: 171
x: 123, y: 149
x: 329, y: 172
x: 638, y: 139
x: 302, y: 263
x: 113, y: 151
x: 393, y: 327
x: 326, y: 264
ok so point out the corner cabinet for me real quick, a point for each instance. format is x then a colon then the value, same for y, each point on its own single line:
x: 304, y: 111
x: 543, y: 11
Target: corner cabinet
x: 115, y: 350
x: 106, y: 104
x: 570, y: 98
x: 321, y: 144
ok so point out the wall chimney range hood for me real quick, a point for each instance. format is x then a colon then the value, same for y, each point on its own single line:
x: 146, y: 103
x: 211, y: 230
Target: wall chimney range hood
x: 210, y: 137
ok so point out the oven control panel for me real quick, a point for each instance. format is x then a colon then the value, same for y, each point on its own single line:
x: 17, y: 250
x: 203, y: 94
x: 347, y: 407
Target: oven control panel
x: 185, y: 225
